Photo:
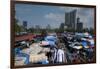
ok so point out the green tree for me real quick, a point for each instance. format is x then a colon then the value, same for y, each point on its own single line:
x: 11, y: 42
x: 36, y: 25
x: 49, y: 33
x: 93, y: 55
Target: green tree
x: 91, y: 30
x: 43, y: 32
x: 48, y: 28
x: 17, y: 27
x: 61, y: 28
x: 31, y: 30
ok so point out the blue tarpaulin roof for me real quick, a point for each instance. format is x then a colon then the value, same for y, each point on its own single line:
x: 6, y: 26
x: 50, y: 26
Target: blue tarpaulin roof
x: 51, y: 40
x: 84, y: 43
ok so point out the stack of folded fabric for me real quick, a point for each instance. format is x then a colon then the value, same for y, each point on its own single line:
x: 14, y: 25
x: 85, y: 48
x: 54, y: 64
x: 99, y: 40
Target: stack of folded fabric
x: 19, y: 61
x: 38, y: 58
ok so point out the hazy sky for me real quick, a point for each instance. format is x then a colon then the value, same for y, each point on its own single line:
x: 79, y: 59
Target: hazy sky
x: 54, y: 15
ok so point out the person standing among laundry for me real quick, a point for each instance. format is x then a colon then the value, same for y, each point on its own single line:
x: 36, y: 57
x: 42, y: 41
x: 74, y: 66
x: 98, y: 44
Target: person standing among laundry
x: 60, y: 54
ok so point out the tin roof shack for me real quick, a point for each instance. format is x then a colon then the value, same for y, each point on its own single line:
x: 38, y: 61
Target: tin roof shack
x: 23, y: 40
x: 24, y: 37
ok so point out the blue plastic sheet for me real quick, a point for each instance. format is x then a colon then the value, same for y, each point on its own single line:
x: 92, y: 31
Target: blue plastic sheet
x: 20, y: 54
x: 84, y: 43
x: 51, y: 40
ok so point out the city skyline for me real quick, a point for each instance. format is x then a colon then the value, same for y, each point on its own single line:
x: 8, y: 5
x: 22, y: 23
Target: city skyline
x: 54, y: 15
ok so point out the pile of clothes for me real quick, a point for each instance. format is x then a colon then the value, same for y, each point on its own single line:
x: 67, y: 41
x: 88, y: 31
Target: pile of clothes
x: 34, y: 54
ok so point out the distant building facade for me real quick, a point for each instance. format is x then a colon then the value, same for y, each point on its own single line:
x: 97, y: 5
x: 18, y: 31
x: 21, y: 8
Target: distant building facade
x: 79, y: 25
x: 25, y: 24
x: 70, y: 19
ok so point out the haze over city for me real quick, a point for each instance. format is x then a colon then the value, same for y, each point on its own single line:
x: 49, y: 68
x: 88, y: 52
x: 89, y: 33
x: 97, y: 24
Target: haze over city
x: 54, y: 15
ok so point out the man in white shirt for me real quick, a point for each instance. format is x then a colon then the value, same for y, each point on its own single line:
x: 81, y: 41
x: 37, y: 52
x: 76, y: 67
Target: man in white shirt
x: 60, y: 56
